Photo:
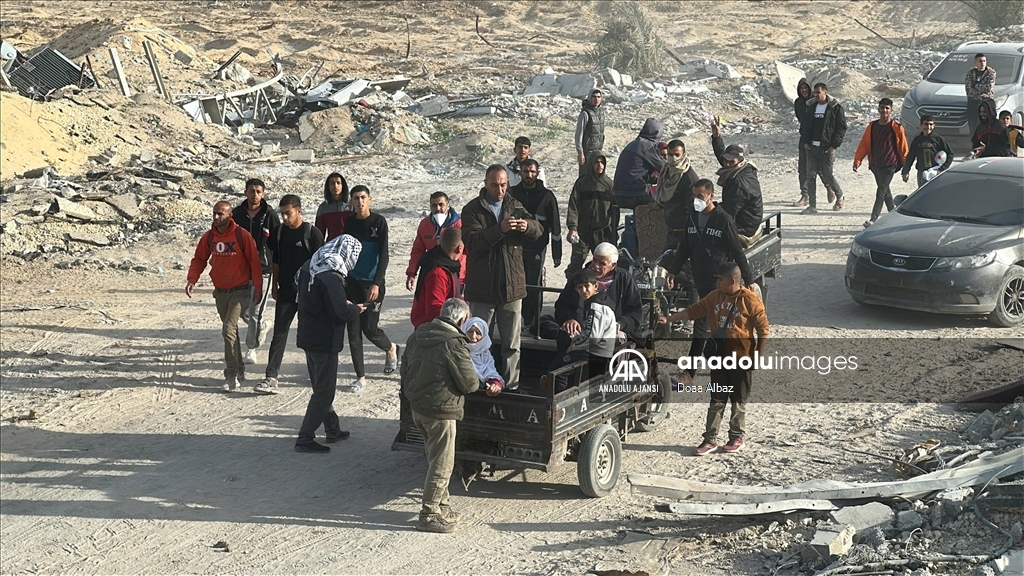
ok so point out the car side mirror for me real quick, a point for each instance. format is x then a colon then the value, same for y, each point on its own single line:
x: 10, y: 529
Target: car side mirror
x: 899, y: 199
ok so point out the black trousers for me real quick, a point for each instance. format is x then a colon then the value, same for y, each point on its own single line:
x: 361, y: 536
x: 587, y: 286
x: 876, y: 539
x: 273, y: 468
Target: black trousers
x: 801, y: 169
x: 284, y: 313
x: 323, y: 375
x: 883, y: 195
x: 367, y: 324
x: 533, y: 263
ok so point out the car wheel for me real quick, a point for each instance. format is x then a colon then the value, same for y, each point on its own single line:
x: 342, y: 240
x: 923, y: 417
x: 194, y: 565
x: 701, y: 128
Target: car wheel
x: 599, y: 461
x: 1009, y: 309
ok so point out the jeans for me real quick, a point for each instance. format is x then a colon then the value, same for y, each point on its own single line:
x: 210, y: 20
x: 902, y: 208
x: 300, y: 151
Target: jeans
x: 509, y: 319
x: 229, y: 306
x: 367, y: 324
x: 439, y: 446
x: 883, y: 177
x: 284, y: 313
x: 533, y: 263
x: 819, y: 163
x: 323, y: 375
x: 801, y: 169
x: 739, y: 380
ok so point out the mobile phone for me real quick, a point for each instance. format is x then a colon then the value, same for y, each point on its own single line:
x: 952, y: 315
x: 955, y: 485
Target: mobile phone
x: 369, y: 305
x: 519, y: 213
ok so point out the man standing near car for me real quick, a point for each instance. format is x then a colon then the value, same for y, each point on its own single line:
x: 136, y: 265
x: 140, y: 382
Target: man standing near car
x: 589, y: 130
x: 436, y: 373
x: 884, y: 144
x: 495, y: 227
x: 821, y: 136
x: 542, y: 205
x: 979, y: 83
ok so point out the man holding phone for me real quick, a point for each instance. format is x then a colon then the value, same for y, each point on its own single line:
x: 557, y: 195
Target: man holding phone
x: 495, y: 228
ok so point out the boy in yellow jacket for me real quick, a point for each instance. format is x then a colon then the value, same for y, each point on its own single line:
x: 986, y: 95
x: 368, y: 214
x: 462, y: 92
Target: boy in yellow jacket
x: 738, y: 311
x: 885, y: 145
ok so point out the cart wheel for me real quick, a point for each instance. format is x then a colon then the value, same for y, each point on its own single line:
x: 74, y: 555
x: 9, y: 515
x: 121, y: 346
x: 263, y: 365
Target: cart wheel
x: 599, y: 461
x: 659, y: 410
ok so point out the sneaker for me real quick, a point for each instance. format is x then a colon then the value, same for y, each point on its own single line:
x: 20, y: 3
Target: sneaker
x: 809, y: 210
x: 267, y: 386
x: 831, y: 195
x: 341, y: 435
x: 230, y: 384
x: 311, y: 447
x: 838, y: 206
x: 868, y: 223
x: 705, y: 448
x: 450, y: 516
x: 435, y: 523
x: 250, y: 357
x: 734, y: 445
x: 801, y: 202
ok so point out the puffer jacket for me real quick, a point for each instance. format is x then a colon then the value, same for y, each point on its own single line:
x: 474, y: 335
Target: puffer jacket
x: 437, y: 371
x: 494, y: 260
x: 638, y: 160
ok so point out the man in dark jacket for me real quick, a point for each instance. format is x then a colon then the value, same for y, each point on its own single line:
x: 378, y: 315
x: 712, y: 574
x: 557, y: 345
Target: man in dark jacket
x: 495, y: 227
x: 711, y: 239
x: 990, y: 137
x: 803, y: 94
x: 542, y: 205
x: 820, y: 136
x: 620, y: 291
x: 675, y: 190
x: 741, y: 190
x: 591, y: 215
x: 637, y: 161
x: 324, y: 311
x: 589, y: 129
x: 437, y: 372
x: 257, y: 218
x: 334, y: 211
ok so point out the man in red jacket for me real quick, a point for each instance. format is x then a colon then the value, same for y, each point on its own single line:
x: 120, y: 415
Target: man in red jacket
x: 439, y: 277
x: 236, y: 274
x: 428, y: 235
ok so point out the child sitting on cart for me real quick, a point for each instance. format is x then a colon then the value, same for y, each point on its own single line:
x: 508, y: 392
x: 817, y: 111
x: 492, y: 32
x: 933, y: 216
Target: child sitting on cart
x: 595, y: 338
x: 480, y: 352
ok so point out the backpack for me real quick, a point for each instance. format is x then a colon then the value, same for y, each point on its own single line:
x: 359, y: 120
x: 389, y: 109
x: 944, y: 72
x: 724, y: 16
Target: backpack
x: 307, y: 233
x: 238, y: 236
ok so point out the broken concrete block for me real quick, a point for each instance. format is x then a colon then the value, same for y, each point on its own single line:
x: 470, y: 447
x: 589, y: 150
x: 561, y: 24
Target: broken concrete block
x: 236, y: 72
x: 611, y: 76
x: 268, y: 149
x: 1011, y: 563
x: 125, y: 204
x: 833, y: 540
x: 544, y: 80
x: 908, y: 520
x: 182, y: 57
x: 982, y: 427
x: 552, y: 89
x: 146, y: 156
x: 306, y: 128
x: 38, y: 172
x: 350, y: 92
x: 433, y: 106
x: 626, y: 80
x: 75, y: 210
x: 89, y: 238
x: 301, y: 155
x: 577, y: 85
x: 865, y: 517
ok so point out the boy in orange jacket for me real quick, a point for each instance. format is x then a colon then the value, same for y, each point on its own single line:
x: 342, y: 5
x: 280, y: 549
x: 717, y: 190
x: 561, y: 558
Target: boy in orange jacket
x: 885, y: 145
x: 236, y: 272
x: 737, y: 314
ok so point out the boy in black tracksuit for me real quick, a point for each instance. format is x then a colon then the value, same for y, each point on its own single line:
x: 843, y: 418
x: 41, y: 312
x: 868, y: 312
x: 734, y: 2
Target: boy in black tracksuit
x: 292, y: 246
x: 923, y: 149
x: 541, y: 204
x: 711, y: 239
x: 365, y: 283
x: 256, y: 217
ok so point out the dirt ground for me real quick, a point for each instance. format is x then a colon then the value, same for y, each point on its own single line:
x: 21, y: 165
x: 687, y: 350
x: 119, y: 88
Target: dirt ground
x: 138, y: 463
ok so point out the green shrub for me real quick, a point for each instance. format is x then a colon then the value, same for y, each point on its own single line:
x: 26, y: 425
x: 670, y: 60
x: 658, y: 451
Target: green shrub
x: 991, y: 14
x: 630, y: 43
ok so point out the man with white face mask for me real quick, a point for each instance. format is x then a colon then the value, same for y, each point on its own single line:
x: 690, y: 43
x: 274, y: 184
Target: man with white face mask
x: 442, y: 216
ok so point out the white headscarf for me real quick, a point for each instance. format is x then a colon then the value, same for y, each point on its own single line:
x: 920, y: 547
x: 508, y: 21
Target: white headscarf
x: 480, y: 352
x: 339, y: 254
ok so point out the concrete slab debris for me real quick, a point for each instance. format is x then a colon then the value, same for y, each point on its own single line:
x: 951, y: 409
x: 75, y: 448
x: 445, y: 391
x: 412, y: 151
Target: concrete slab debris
x: 552, y: 89
x: 125, y: 204
x: 719, y: 509
x: 236, y: 72
x: 73, y: 209
x: 908, y: 520
x: 865, y: 517
x: 789, y: 76
x: 577, y: 85
x: 433, y: 106
x: 301, y: 155
x: 1011, y: 563
x: 89, y: 238
x: 354, y: 90
x: 982, y: 427
x: 833, y: 540
x: 183, y: 57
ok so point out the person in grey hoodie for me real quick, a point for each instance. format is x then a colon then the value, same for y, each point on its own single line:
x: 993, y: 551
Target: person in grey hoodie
x: 637, y: 161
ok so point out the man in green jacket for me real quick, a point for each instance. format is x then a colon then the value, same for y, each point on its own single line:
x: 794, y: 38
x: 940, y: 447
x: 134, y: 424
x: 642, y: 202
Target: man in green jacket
x: 437, y: 372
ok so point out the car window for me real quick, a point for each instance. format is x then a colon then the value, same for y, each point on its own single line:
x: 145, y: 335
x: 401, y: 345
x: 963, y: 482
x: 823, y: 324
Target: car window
x: 966, y: 197
x: 953, y: 69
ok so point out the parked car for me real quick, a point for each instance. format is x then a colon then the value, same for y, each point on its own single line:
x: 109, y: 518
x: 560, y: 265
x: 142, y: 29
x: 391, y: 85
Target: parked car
x: 942, y: 94
x: 955, y: 246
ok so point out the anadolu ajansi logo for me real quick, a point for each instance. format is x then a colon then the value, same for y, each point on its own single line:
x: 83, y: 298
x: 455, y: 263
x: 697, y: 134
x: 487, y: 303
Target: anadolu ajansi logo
x: 628, y: 365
